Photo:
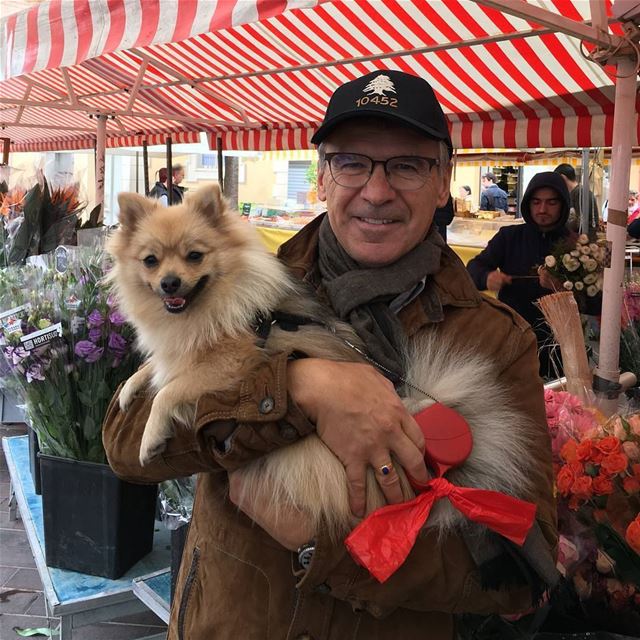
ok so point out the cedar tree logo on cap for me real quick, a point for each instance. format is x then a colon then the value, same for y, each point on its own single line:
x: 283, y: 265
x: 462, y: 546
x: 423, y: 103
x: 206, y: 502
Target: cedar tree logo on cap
x: 392, y: 95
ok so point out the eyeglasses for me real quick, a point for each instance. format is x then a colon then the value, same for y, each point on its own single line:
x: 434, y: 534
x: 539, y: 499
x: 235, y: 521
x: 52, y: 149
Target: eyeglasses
x: 404, y: 173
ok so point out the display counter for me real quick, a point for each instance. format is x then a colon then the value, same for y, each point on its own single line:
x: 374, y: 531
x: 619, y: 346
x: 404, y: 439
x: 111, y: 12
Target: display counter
x: 466, y: 236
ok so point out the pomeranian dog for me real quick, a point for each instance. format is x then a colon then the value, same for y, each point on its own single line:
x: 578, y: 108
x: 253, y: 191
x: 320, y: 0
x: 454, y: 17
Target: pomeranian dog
x: 194, y: 280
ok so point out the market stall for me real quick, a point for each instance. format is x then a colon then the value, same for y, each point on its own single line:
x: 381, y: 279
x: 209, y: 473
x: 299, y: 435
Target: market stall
x: 257, y: 75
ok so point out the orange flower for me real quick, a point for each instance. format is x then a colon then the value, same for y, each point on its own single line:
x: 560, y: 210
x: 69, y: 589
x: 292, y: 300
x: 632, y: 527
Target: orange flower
x: 632, y: 535
x: 564, y: 481
x: 602, y: 486
x: 600, y: 515
x: 614, y: 463
x: 608, y: 445
x: 631, y: 485
x: 582, y: 487
x: 584, y: 450
x: 568, y: 450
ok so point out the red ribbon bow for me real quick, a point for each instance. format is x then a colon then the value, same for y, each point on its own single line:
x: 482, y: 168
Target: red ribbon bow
x: 383, y: 540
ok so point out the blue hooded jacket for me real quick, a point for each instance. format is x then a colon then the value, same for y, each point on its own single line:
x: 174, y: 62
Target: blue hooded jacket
x: 518, y: 249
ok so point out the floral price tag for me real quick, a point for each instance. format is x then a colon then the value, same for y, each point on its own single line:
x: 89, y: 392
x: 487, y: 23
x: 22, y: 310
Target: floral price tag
x: 10, y: 320
x: 40, y: 338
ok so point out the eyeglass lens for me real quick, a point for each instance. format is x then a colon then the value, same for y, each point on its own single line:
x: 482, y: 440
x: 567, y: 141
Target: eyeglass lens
x: 403, y: 172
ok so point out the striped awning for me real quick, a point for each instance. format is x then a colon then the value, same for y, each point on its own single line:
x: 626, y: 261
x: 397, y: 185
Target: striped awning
x: 258, y: 73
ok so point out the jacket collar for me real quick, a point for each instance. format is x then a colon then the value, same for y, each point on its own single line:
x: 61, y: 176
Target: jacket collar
x: 454, y: 285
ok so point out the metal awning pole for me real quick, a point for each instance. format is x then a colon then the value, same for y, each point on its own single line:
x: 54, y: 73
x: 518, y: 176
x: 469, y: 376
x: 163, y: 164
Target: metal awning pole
x: 585, y: 201
x: 137, y: 172
x: 5, y: 151
x: 220, y: 160
x: 145, y: 167
x: 101, y: 137
x: 169, y: 173
x: 607, y: 374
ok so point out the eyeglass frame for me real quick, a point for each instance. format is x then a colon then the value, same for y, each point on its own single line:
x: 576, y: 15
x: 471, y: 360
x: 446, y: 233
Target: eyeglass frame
x: 432, y: 162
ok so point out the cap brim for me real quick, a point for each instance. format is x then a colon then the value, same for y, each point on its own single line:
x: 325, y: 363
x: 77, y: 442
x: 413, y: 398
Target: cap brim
x: 326, y: 127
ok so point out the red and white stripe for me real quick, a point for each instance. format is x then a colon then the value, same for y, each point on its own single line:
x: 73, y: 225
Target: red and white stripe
x: 278, y: 62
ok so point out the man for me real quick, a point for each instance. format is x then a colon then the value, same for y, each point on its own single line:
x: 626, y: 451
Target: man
x: 493, y: 197
x: 508, y: 264
x: 568, y: 174
x: 384, y: 166
x: 161, y: 190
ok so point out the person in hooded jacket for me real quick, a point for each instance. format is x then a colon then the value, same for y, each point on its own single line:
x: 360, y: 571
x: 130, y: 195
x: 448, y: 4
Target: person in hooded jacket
x: 508, y: 265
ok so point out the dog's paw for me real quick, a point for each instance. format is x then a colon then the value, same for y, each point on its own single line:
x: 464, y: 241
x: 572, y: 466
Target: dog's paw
x: 154, y: 439
x: 126, y: 394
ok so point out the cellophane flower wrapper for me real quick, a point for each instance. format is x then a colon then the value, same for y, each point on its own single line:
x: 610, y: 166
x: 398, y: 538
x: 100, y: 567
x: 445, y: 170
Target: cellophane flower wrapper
x: 630, y: 329
x: 68, y: 383
x: 176, y: 501
x: 597, y: 464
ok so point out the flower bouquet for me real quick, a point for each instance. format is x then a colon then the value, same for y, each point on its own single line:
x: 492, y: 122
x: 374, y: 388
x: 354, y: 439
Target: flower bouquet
x: 598, y: 485
x: 67, y: 348
x: 579, y: 266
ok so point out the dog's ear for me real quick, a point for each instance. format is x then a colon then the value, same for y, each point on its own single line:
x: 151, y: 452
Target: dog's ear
x: 209, y: 202
x: 132, y: 208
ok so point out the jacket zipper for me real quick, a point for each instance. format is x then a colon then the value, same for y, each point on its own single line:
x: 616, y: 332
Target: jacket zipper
x: 184, y: 601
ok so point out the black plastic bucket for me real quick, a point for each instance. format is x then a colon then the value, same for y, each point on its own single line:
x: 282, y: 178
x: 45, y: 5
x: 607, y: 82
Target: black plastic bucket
x: 34, y: 461
x: 94, y: 522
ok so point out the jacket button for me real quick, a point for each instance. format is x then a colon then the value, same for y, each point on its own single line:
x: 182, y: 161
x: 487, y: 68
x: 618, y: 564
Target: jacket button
x: 322, y: 589
x: 288, y: 432
x: 266, y: 405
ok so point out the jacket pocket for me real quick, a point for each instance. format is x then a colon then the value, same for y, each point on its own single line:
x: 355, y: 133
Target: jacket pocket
x: 188, y: 586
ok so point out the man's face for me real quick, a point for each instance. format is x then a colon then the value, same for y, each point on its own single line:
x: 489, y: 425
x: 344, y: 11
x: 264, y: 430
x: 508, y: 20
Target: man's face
x: 178, y: 176
x: 377, y: 224
x: 545, y: 207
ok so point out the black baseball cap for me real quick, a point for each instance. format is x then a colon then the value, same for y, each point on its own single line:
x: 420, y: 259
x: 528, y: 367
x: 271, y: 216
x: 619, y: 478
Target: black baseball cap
x: 394, y: 95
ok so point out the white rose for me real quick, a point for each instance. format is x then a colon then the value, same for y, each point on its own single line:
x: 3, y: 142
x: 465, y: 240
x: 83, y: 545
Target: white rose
x: 574, y: 265
x: 579, y: 285
x: 584, y: 259
x: 592, y: 290
x: 550, y: 261
x: 568, y: 285
x: 584, y: 249
x: 583, y: 239
x: 594, y: 248
x: 590, y: 278
x: 590, y: 266
x: 575, y: 253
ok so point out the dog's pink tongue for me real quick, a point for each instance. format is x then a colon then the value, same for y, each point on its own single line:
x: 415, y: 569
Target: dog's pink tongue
x: 175, y: 302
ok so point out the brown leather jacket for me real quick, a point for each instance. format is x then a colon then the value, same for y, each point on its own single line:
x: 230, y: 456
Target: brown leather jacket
x: 237, y: 582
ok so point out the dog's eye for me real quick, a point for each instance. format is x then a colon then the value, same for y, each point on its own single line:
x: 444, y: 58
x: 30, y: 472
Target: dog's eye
x: 194, y: 256
x: 150, y: 261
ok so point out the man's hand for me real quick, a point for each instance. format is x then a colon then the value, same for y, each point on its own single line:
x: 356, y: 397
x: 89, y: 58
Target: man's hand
x: 360, y: 417
x: 496, y: 280
x: 292, y: 528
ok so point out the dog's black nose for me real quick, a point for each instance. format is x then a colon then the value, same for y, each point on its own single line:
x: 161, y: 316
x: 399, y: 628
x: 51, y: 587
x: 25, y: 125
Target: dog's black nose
x: 170, y: 284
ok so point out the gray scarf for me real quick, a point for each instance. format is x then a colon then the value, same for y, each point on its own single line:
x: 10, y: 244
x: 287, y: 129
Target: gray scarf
x: 361, y: 295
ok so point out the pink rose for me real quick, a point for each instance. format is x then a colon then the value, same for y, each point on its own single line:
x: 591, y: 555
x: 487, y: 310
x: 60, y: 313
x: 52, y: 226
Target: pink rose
x: 634, y: 423
x: 632, y: 450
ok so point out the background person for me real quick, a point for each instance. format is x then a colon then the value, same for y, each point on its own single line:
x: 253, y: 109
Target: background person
x: 568, y: 174
x: 161, y: 190
x: 493, y: 198
x: 508, y: 263
x: 376, y: 259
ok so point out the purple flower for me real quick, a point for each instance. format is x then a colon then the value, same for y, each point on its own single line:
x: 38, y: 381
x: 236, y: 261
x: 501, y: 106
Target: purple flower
x: 117, y: 344
x: 116, y: 318
x: 16, y: 354
x: 95, y: 333
x: 34, y: 372
x: 88, y: 351
x: 95, y: 319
